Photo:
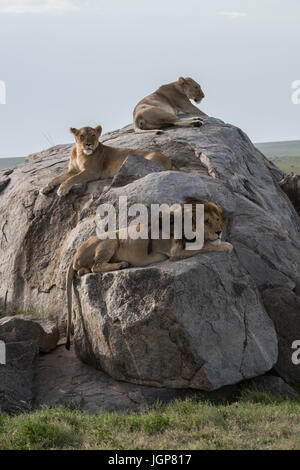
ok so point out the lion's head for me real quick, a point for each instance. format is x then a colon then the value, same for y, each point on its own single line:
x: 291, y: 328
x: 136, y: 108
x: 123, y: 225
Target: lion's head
x: 213, y: 223
x: 213, y: 220
x: 191, y: 88
x: 87, y: 138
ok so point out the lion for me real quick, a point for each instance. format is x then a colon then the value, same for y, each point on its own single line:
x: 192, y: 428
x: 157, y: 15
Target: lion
x: 290, y: 184
x: 161, y: 108
x: 91, y: 160
x: 97, y: 255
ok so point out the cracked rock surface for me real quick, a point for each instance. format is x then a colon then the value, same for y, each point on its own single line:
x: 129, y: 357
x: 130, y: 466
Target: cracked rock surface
x: 17, y: 376
x: 189, y: 324
x: 204, y: 322
x: 62, y: 378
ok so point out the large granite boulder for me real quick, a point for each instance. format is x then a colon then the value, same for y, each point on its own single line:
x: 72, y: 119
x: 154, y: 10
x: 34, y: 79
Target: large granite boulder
x: 192, y: 323
x: 199, y: 322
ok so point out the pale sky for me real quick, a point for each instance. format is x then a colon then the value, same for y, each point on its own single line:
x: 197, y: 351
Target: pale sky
x: 87, y: 62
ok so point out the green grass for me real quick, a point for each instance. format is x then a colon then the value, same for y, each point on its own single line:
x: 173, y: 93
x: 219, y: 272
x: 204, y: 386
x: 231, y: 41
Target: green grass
x: 287, y: 164
x: 30, y: 311
x: 255, y: 421
x: 286, y: 155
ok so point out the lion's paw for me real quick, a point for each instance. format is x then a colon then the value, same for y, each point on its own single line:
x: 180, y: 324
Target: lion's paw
x: 46, y: 190
x: 62, y: 191
x: 83, y: 271
x: 124, y: 265
x: 197, y: 123
x: 227, y: 247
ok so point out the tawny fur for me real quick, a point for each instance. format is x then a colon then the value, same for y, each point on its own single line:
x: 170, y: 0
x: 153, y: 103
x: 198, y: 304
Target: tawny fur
x: 96, y: 255
x: 162, y: 108
x: 91, y: 160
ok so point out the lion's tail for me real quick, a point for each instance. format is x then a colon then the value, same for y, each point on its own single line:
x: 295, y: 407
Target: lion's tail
x: 69, y: 288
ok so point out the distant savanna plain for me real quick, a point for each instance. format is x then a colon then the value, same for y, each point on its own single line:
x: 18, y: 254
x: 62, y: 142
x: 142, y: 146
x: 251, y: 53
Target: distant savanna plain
x: 285, y: 154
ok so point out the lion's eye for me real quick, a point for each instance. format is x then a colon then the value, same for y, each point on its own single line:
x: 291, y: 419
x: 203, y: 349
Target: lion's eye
x: 81, y: 137
x: 206, y: 221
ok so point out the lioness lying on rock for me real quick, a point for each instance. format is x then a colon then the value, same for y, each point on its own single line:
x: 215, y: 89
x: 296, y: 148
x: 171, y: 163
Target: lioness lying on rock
x: 161, y: 108
x: 90, y: 160
x: 97, y: 255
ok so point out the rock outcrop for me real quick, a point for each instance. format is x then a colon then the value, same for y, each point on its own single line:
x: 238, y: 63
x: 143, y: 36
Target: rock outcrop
x: 273, y: 386
x: 189, y: 324
x: 203, y: 322
x: 18, y: 328
x: 61, y: 378
x: 17, y: 376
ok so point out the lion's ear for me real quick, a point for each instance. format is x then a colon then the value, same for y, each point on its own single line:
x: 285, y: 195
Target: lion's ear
x: 98, y: 129
x: 181, y: 80
x: 73, y: 130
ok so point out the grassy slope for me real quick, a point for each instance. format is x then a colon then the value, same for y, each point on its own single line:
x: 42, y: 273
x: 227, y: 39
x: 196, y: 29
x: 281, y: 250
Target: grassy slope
x: 286, y: 155
x: 255, y: 421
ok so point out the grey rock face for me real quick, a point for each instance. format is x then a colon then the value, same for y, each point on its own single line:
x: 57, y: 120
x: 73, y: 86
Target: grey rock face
x: 24, y: 338
x: 3, y: 183
x: 62, y: 378
x: 274, y: 386
x: 41, y: 233
x: 191, y: 323
x: 20, y: 328
x: 283, y: 306
x: 16, y: 377
x: 134, y: 168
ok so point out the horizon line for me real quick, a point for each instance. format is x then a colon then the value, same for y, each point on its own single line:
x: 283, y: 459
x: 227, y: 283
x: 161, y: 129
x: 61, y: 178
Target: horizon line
x: 255, y: 143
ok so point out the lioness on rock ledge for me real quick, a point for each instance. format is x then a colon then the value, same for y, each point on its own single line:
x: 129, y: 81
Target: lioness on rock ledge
x: 164, y: 106
x: 90, y: 160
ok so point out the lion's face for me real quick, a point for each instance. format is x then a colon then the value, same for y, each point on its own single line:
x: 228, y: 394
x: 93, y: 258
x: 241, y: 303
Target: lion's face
x: 213, y: 220
x: 87, y: 138
x: 192, y: 89
x: 213, y: 223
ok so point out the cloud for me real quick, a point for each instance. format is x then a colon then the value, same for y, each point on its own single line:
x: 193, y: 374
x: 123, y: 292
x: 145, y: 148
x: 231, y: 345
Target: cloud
x: 232, y: 14
x: 38, y: 6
